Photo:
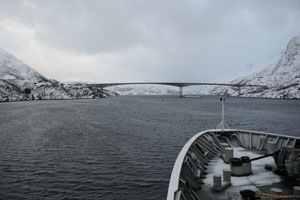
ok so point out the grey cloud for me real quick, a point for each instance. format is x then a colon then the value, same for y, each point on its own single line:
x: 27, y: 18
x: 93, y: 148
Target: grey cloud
x: 181, y: 40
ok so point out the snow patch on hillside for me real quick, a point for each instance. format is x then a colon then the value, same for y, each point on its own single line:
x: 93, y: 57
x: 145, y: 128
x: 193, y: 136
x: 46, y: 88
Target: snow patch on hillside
x: 18, y: 81
x: 282, y: 77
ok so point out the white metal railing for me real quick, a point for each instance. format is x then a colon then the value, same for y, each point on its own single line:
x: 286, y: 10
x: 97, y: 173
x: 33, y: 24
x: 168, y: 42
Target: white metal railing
x: 175, y: 176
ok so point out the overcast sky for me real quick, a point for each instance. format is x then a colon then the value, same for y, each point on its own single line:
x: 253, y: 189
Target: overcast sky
x: 146, y: 40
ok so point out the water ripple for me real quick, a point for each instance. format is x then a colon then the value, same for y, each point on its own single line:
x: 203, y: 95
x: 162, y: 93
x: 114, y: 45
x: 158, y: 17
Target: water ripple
x: 117, y: 148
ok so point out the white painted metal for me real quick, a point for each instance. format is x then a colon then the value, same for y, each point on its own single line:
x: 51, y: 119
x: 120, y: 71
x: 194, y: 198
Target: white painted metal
x: 250, y: 139
x: 223, y: 147
x: 228, y: 154
x: 223, y: 117
x: 217, y: 182
x: 272, y: 147
x: 227, y: 175
x: 178, y: 195
x: 174, y: 180
x: 223, y: 124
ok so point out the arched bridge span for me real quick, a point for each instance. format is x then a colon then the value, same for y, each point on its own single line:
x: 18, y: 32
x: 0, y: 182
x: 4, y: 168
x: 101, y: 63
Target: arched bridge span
x: 180, y: 85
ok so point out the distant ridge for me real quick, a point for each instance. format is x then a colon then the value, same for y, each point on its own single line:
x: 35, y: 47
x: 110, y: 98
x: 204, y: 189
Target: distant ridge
x: 18, y: 81
x: 282, y: 76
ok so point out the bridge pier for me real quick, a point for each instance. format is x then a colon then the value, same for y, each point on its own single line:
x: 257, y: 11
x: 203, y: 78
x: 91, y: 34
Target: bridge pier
x: 101, y: 92
x: 180, y: 91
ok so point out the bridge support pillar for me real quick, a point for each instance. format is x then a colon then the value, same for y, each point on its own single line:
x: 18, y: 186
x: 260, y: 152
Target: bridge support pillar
x: 101, y: 92
x: 180, y: 91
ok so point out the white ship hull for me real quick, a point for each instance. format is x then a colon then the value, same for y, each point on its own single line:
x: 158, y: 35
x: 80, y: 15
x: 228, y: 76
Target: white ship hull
x: 200, y: 161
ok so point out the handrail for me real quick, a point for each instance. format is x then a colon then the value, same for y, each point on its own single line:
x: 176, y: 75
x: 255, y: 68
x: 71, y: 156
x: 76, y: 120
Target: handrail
x: 174, y: 180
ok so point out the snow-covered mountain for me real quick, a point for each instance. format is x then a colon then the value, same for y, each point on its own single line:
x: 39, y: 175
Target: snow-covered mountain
x: 18, y: 81
x: 144, y: 90
x: 282, y: 77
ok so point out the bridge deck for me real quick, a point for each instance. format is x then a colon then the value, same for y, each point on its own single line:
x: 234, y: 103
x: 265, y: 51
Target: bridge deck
x: 177, y: 84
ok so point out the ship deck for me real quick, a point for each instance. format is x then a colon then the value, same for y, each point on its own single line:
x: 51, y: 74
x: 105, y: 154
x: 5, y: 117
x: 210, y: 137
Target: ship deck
x: 200, y: 159
x: 260, y: 180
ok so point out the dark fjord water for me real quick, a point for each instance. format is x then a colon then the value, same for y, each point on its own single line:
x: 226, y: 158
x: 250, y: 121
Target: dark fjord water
x: 115, y: 148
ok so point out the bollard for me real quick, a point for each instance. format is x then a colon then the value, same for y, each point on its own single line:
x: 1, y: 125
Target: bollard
x: 228, y: 154
x: 227, y: 175
x: 217, y: 182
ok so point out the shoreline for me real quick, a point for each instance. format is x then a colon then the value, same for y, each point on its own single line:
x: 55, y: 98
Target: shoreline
x: 157, y: 95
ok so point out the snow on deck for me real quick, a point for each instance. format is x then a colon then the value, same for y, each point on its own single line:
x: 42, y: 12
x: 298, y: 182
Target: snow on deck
x: 259, y: 176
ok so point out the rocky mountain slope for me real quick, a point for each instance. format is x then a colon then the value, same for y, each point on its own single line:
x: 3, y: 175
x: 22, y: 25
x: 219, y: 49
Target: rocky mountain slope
x: 18, y: 81
x: 282, y: 78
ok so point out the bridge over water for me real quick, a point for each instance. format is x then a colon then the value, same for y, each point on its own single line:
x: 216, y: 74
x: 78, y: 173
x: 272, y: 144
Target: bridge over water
x: 180, y: 85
